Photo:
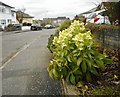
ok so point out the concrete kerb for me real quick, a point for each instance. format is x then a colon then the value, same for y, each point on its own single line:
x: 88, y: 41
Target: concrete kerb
x: 68, y: 89
x: 13, y: 32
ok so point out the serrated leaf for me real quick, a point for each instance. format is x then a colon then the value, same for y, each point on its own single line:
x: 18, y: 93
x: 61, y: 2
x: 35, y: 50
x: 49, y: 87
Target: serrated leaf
x: 79, y: 61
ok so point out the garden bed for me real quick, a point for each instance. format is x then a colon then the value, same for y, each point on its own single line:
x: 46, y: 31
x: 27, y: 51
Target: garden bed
x: 107, y: 84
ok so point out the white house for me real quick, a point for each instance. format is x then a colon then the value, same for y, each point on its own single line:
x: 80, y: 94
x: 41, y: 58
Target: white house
x: 96, y: 13
x: 7, y: 14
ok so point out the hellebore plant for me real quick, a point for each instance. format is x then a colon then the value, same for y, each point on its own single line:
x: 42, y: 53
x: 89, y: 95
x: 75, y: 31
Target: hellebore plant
x: 75, y: 55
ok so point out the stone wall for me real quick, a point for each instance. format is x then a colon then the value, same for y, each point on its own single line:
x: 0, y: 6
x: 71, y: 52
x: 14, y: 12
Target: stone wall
x: 108, y: 36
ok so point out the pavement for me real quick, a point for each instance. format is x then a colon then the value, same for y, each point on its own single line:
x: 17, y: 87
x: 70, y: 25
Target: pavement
x: 26, y: 71
x: 24, y: 29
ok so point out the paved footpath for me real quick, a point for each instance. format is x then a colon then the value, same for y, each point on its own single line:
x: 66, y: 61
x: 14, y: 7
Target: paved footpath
x: 26, y: 73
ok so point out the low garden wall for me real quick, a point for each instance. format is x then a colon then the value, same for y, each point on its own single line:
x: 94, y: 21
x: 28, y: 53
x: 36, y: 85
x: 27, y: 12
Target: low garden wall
x: 107, y: 35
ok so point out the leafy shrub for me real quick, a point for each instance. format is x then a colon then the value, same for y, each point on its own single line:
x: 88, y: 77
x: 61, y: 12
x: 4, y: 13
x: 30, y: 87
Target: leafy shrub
x: 75, y: 55
x: 27, y: 24
x: 63, y: 26
x: 24, y: 24
x: 10, y: 27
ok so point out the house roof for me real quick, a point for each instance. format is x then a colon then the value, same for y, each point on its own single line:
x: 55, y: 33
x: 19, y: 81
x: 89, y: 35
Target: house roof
x: 61, y: 17
x: 89, y: 11
x: 1, y: 3
x: 24, y: 14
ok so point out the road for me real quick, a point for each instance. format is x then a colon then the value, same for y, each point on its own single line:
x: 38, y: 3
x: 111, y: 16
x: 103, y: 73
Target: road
x: 25, y: 59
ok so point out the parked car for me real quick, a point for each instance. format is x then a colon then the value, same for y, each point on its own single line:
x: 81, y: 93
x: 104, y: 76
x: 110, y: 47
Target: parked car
x: 49, y: 26
x: 1, y: 28
x: 17, y: 27
x: 36, y: 27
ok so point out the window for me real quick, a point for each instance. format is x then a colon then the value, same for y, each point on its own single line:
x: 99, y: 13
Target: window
x: 3, y: 22
x: 9, y: 21
x: 12, y: 14
x: 3, y: 9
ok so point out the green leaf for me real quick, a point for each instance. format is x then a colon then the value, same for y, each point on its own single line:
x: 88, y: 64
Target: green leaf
x: 79, y: 61
x: 80, y: 84
x: 83, y: 66
x: 88, y: 77
x: 88, y: 63
x: 107, y: 61
x: 74, y: 59
x: 56, y: 74
x: 100, y: 64
x: 72, y: 79
x: 51, y: 74
x: 89, y: 55
x: 62, y: 54
x: 64, y: 71
x: 68, y: 77
x: 94, y: 64
x: 68, y: 57
x: 93, y: 71
x: 78, y: 72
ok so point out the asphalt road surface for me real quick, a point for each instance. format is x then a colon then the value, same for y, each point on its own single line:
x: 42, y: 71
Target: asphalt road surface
x: 24, y: 68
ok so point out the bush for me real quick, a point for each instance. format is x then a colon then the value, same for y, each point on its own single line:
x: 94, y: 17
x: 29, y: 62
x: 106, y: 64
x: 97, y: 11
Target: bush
x: 97, y: 27
x: 75, y: 55
x: 10, y: 27
x: 63, y: 26
x: 27, y: 24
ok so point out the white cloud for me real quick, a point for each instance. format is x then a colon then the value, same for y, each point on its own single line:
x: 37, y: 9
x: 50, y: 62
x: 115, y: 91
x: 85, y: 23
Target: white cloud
x: 53, y: 8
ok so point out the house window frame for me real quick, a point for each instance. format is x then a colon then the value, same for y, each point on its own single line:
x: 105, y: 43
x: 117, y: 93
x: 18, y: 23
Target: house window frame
x: 9, y: 21
x: 3, y: 10
x: 3, y: 22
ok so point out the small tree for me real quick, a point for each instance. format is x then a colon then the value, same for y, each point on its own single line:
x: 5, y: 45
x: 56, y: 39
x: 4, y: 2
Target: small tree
x: 81, y: 19
x: 112, y: 10
x: 20, y: 15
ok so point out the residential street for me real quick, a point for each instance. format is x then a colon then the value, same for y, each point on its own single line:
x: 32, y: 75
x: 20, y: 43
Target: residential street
x: 25, y: 59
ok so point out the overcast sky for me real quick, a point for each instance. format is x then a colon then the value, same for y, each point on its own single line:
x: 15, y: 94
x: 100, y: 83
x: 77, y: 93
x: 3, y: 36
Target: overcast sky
x: 53, y: 8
